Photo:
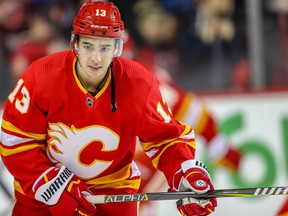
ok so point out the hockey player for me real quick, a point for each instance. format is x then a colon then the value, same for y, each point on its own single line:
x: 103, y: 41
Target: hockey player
x: 189, y: 108
x: 69, y: 127
x: 192, y: 110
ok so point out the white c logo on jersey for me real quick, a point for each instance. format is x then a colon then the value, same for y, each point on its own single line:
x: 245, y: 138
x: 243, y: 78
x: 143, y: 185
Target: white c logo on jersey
x: 87, y: 152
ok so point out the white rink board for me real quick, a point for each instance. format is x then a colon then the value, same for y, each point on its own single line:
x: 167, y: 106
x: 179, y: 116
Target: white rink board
x: 262, y: 116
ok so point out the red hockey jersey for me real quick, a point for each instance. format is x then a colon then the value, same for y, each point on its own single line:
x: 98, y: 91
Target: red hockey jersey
x: 49, y: 119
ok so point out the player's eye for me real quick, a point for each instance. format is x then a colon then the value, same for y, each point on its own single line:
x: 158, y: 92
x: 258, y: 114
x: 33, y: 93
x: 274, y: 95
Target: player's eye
x: 88, y: 47
x: 104, y: 49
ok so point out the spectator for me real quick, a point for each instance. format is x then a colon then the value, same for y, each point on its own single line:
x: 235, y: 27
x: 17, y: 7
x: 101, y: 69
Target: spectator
x: 39, y: 40
x: 180, y: 43
x: 12, y: 21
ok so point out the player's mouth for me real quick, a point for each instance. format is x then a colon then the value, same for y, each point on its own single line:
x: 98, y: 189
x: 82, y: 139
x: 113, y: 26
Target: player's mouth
x: 95, y: 68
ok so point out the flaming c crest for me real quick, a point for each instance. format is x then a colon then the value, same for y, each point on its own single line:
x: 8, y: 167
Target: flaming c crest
x: 87, y: 152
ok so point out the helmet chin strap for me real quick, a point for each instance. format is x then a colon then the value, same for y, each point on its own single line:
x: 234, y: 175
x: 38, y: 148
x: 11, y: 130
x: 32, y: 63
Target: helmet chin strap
x: 113, y: 92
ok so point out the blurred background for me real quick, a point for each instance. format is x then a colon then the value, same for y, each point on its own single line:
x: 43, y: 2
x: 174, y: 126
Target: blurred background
x: 233, y: 53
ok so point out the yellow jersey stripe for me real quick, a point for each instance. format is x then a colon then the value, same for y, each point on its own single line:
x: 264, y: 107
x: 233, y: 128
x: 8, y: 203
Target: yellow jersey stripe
x: 183, y: 109
x: 10, y: 127
x: 8, y: 152
x: 155, y: 161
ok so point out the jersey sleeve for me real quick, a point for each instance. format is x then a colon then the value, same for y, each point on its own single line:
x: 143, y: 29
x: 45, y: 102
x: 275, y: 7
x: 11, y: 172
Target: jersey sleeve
x: 189, y: 109
x: 166, y: 141
x: 23, y: 134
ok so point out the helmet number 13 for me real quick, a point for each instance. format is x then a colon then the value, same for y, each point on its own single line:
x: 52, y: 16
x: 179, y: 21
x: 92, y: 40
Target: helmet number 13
x: 100, y: 12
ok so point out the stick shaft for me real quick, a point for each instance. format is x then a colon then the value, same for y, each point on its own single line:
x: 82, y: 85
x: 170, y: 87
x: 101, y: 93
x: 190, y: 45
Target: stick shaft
x: 239, y: 192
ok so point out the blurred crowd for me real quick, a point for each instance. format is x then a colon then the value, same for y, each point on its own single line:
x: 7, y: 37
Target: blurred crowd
x: 202, y: 43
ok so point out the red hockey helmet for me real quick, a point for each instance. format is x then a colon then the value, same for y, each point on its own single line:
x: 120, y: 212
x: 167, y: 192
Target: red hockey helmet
x: 97, y: 18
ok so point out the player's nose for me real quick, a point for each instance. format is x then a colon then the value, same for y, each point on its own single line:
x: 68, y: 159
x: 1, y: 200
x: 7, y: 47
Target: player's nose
x: 96, y: 56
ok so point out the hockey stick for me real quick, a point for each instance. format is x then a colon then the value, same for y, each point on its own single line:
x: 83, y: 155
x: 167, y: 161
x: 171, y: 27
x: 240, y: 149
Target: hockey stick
x: 241, y: 192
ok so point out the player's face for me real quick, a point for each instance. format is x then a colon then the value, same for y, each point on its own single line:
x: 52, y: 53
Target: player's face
x: 95, y: 55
